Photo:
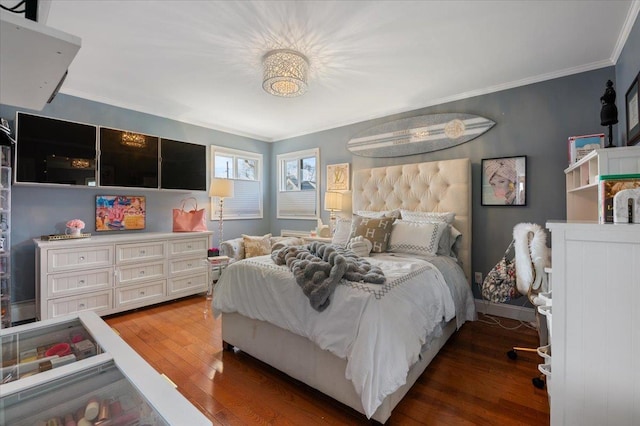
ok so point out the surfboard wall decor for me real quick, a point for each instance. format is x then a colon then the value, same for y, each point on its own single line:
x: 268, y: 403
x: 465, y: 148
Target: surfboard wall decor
x: 417, y: 135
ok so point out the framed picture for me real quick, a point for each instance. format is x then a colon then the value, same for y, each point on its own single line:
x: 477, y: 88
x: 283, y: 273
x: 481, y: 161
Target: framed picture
x: 120, y: 212
x: 338, y: 177
x: 633, y: 121
x: 504, y: 181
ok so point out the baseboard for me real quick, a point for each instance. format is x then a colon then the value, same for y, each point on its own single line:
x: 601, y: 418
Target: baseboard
x: 23, y: 311
x: 504, y: 310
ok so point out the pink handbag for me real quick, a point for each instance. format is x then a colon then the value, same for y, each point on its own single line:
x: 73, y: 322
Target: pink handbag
x: 189, y: 221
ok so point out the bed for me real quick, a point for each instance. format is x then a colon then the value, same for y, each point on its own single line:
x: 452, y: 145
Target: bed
x: 345, y: 351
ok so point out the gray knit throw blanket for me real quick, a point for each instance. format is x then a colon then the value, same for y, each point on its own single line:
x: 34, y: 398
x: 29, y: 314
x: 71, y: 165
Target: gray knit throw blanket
x: 319, y: 267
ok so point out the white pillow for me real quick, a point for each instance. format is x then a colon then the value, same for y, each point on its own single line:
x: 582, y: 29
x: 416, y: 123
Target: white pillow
x: 420, y: 238
x: 378, y: 214
x: 427, y: 216
x: 343, y: 229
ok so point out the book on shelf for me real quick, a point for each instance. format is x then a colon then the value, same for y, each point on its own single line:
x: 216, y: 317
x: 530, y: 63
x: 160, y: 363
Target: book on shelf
x: 608, y: 187
x: 579, y: 146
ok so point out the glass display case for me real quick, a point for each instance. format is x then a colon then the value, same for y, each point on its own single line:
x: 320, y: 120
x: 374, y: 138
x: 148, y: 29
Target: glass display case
x: 77, y: 369
x: 5, y: 235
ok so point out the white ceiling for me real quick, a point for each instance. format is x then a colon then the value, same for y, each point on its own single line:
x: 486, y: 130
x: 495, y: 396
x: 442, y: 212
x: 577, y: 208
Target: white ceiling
x: 199, y: 62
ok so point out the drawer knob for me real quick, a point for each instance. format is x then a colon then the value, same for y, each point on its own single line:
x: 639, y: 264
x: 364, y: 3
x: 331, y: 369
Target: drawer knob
x: 141, y: 273
x: 81, y: 281
x: 142, y: 293
x: 189, y: 246
x: 81, y: 306
x: 81, y: 258
x: 189, y: 265
x: 142, y: 252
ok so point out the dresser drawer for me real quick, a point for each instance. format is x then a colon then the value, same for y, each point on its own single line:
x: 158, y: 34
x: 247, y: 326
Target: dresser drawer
x: 188, y: 285
x: 188, y: 265
x: 127, y: 253
x: 65, y: 284
x: 191, y: 246
x: 97, y: 301
x: 131, y: 274
x: 141, y: 294
x: 60, y: 260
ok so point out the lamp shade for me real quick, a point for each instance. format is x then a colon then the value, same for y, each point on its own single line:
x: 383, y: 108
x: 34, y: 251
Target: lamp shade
x: 222, y: 188
x: 333, y: 201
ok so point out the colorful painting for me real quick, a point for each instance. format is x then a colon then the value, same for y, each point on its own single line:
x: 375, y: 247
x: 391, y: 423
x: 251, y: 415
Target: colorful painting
x: 120, y: 212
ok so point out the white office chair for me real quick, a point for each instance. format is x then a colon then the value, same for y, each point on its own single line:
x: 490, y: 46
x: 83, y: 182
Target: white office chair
x: 532, y: 256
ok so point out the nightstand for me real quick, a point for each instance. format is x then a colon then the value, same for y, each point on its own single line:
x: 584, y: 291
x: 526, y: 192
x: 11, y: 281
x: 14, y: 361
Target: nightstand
x: 217, y: 265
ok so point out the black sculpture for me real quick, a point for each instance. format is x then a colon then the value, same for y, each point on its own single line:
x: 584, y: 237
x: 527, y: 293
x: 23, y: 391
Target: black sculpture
x: 609, y: 112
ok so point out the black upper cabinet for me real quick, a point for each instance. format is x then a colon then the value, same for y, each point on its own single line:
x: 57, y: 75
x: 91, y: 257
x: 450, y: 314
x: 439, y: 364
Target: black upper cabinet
x: 55, y: 151
x: 183, y: 165
x: 128, y: 159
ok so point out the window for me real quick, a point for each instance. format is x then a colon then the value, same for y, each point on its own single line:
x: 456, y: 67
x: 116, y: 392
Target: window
x: 298, y: 195
x: 245, y: 168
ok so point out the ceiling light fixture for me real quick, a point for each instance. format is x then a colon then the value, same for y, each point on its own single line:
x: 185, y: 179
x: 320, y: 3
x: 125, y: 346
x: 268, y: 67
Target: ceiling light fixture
x: 134, y: 140
x: 285, y: 73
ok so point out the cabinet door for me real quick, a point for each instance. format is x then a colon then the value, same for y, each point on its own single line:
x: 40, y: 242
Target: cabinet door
x: 65, y: 284
x: 60, y: 260
x: 192, y: 246
x: 140, y: 295
x: 188, y: 285
x: 134, y: 273
x: 101, y: 302
x: 136, y: 252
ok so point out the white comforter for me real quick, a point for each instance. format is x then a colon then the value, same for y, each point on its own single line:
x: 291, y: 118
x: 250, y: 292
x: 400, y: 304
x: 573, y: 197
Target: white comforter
x: 378, y: 329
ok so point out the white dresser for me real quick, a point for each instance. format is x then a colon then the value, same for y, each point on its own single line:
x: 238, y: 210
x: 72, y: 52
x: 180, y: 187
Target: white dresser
x: 114, y: 273
x: 595, y: 338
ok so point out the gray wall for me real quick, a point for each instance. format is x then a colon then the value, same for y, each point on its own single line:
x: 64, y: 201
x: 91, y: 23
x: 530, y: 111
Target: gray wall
x: 38, y: 210
x: 533, y: 120
x: 627, y: 68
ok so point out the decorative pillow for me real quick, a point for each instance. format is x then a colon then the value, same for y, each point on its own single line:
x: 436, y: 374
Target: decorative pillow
x: 343, y: 229
x: 279, y: 242
x: 256, y: 246
x: 420, y: 238
x: 377, y: 214
x: 376, y: 230
x: 360, y: 246
x: 427, y: 216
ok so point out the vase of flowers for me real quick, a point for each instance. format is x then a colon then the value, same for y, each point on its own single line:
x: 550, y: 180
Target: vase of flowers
x: 75, y: 227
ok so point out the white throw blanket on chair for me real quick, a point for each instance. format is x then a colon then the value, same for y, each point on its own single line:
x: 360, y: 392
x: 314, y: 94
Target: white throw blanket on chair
x: 532, y: 256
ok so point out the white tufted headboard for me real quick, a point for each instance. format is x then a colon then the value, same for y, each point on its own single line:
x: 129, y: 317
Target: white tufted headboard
x: 440, y: 186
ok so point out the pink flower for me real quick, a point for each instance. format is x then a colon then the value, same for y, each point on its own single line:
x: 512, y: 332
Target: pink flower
x: 75, y: 224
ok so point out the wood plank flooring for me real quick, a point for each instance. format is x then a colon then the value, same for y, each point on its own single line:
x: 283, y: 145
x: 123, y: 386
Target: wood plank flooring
x: 470, y: 382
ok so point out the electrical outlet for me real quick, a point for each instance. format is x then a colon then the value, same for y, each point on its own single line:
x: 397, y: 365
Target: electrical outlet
x: 478, y: 278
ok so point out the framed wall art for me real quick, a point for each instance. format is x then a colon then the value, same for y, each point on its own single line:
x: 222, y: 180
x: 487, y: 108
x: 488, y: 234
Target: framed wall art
x: 504, y: 181
x: 633, y: 118
x: 338, y: 177
x: 120, y: 212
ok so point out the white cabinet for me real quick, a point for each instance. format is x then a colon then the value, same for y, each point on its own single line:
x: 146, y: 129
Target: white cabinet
x: 113, y: 273
x: 582, y: 178
x: 595, y: 336
x: 102, y: 371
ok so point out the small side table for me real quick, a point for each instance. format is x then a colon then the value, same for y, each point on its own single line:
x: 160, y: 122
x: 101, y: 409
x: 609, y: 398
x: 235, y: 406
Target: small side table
x: 218, y: 264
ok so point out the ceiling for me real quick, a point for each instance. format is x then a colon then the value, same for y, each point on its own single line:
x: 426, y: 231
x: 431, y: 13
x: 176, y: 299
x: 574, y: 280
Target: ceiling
x: 199, y: 62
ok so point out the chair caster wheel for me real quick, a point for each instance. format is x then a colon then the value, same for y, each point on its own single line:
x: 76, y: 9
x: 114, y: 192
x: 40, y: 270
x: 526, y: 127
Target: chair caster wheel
x: 538, y: 382
x: 512, y: 354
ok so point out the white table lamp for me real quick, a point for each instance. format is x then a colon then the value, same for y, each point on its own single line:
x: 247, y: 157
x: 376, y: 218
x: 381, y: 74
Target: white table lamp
x: 332, y: 204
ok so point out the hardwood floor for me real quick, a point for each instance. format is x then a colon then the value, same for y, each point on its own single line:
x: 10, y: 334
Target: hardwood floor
x: 470, y: 382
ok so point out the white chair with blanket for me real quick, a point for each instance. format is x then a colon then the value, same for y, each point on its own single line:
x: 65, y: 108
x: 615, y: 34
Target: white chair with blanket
x: 532, y: 256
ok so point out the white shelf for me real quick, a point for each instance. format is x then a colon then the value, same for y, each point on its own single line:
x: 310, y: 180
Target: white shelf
x: 582, y: 178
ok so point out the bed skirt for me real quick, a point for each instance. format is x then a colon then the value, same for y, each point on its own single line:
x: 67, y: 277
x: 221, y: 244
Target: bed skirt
x: 303, y: 360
